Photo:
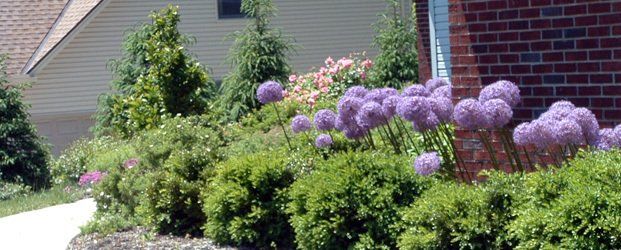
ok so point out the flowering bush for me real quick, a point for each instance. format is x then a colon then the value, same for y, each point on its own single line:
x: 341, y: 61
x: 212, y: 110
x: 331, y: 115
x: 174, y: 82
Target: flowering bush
x: 330, y: 81
x: 91, y: 178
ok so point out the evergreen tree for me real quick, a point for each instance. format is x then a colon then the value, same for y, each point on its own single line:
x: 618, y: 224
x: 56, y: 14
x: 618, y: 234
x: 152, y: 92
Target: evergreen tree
x: 23, y: 154
x: 396, y: 62
x: 259, y: 53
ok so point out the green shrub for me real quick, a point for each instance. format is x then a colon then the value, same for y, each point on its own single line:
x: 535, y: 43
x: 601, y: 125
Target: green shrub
x: 23, y: 154
x: 458, y: 216
x: 259, y: 53
x: 79, y: 157
x: 353, y: 200
x: 578, y: 207
x: 245, y: 201
x: 10, y: 190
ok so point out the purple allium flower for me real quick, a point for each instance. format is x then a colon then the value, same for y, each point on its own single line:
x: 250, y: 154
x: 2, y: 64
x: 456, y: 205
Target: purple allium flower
x: 434, y: 83
x: 444, y: 91
x: 543, y: 133
x: 431, y: 122
x: 353, y: 131
x: 442, y: 108
x: 300, y: 123
x: 427, y: 163
x: 416, y: 90
x: 375, y: 95
x: 588, y: 122
x: 413, y: 108
x: 370, y: 115
x: 522, y: 134
x: 618, y: 131
x: 130, y: 163
x: 608, y: 140
x: 91, y: 178
x: 389, y: 105
x: 356, y: 91
x: 323, y: 141
x: 569, y: 132
x: 562, y: 105
x: 269, y: 92
x: 340, y: 124
x: 557, y: 114
x: 349, y: 106
x: 324, y: 119
x: 504, y: 90
x: 469, y: 114
x: 498, y: 113
x: 389, y: 91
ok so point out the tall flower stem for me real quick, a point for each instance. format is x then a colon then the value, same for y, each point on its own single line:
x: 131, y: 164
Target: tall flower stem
x: 512, y: 147
x: 530, y: 162
x: 395, y: 145
x: 508, y: 152
x: 490, y: 149
x: 399, y: 122
x: 282, y: 126
x: 461, y: 165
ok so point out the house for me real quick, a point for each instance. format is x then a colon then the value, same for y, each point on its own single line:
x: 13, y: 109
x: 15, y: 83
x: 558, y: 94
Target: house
x: 553, y: 49
x: 62, y: 46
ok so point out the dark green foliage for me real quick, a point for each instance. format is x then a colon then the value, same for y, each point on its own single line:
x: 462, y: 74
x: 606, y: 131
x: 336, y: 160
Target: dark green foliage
x: 396, y: 62
x: 156, y: 78
x: 579, y: 207
x: 23, y: 154
x: 353, y: 201
x: 245, y: 201
x: 259, y: 53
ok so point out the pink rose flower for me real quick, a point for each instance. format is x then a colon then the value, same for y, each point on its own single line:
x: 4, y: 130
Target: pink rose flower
x: 367, y: 63
x: 285, y: 93
x: 314, y: 94
x: 324, y: 89
x: 329, y: 61
x: 363, y: 75
x: 292, y: 78
x: 297, y: 88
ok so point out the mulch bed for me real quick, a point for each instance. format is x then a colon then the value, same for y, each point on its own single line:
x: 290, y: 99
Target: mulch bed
x: 139, y: 238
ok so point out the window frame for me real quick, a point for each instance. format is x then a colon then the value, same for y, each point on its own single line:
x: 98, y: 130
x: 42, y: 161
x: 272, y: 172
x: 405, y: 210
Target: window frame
x: 224, y: 17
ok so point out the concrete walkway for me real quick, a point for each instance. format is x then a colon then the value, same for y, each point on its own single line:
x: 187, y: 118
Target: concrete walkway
x: 47, y: 228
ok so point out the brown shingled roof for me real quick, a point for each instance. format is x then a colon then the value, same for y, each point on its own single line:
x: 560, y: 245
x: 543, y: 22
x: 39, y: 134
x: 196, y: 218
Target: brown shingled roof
x: 23, y: 24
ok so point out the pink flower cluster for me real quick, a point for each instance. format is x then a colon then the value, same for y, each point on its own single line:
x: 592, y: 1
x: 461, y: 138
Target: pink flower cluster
x: 330, y: 81
x: 91, y: 178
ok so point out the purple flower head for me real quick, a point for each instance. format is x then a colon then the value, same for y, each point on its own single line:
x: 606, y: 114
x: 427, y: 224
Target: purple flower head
x: 504, y: 90
x: 427, y: 163
x: 557, y: 114
x: 498, y: 113
x: 325, y: 119
x: 269, y: 92
x: 91, y: 178
x: 300, y: 123
x: 444, y: 91
x: 618, y: 131
x: 588, y: 123
x: 429, y: 123
x: 130, y: 163
x: 340, y: 124
x: 434, y: 83
x: 469, y: 114
x: 356, y: 91
x: 353, y: 131
x: 389, y: 91
x: 375, y: 95
x: 323, y: 141
x: 562, y: 105
x: 416, y: 90
x: 413, y: 108
x: 349, y: 106
x: 543, y: 133
x: 569, y: 132
x: 370, y: 115
x: 442, y: 108
x: 389, y: 105
x: 522, y: 134
x: 608, y: 140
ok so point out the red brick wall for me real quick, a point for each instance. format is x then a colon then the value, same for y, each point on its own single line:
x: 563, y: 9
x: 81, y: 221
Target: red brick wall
x: 553, y: 49
x: 424, y: 51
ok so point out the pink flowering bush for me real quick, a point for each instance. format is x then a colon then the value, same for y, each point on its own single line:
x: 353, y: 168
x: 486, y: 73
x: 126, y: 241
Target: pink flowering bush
x: 91, y: 178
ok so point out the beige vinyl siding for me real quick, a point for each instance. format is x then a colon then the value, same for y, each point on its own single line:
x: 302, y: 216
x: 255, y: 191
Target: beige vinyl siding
x: 77, y: 75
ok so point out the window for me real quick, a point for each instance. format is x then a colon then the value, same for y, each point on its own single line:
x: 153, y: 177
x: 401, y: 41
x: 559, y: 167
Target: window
x: 229, y: 9
x: 439, y: 39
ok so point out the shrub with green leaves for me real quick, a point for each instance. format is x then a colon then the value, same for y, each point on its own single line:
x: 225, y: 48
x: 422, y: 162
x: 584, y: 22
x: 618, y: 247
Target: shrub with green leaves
x: 353, y: 200
x: 168, y: 80
x: 10, y: 190
x: 245, y: 201
x: 23, y: 154
x: 80, y: 158
x: 396, y: 62
x: 259, y: 53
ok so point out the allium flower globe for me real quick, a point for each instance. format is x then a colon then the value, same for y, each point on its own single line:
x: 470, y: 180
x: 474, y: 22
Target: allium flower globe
x: 427, y: 163
x: 353, y: 131
x: 588, y: 123
x: 389, y: 105
x: 504, y: 90
x: 416, y: 90
x: 348, y: 106
x: 370, y: 115
x: 300, y: 123
x: 413, y: 108
x: 270, y: 92
x: 469, y: 114
x: 356, y: 91
x: 618, y: 131
x: 498, y: 113
x: 389, y: 91
x: 522, y: 134
x: 569, y: 132
x: 434, y: 83
x: 444, y: 91
x: 562, y: 105
x: 608, y: 140
x: 323, y: 141
x: 375, y: 95
x: 324, y: 119
x: 544, y: 134
x: 442, y: 108
x: 431, y: 122
x: 557, y: 114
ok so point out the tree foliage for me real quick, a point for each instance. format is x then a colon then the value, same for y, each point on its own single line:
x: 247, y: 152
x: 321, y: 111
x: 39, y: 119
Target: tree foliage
x: 23, y: 154
x: 396, y: 62
x: 259, y: 53
x: 156, y: 77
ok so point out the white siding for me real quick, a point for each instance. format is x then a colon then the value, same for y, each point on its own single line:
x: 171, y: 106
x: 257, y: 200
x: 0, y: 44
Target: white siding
x: 73, y: 80
x: 440, y: 43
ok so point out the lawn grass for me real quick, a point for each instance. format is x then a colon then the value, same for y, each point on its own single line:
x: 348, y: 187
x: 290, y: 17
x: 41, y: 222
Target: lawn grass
x: 45, y: 198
